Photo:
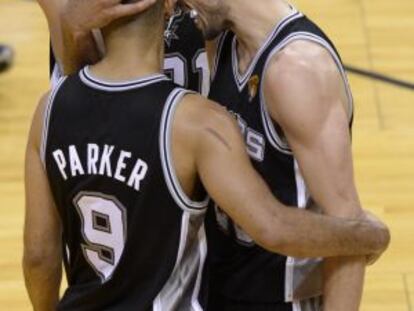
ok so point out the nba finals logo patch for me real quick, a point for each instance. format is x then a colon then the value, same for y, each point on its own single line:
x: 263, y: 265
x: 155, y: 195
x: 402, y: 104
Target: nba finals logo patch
x: 253, y: 87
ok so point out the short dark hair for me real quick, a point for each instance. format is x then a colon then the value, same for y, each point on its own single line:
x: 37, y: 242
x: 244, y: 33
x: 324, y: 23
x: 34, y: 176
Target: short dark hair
x: 149, y: 17
x: 152, y: 14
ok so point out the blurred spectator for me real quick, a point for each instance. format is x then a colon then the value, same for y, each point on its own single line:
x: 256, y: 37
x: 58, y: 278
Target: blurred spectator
x: 6, y: 57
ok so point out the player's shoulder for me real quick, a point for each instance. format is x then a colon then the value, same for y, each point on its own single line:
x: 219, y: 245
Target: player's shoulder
x: 302, y: 63
x: 302, y: 56
x: 38, y: 120
x: 41, y: 106
x: 197, y: 112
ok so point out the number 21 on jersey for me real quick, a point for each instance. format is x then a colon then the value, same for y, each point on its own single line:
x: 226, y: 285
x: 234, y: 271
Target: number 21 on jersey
x: 176, y: 65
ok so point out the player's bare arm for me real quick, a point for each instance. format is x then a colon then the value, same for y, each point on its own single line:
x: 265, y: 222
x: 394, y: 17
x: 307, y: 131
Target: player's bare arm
x: 52, y: 9
x: 42, y: 228
x: 71, y: 22
x: 306, y: 95
x: 207, y: 140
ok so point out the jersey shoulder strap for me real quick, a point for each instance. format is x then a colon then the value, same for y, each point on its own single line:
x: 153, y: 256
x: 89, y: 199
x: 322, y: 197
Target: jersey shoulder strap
x: 46, y: 117
x: 171, y: 178
x: 223, y: 51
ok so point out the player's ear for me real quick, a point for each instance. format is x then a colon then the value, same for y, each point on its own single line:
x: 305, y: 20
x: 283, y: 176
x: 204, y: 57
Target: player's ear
x: 170, y: 7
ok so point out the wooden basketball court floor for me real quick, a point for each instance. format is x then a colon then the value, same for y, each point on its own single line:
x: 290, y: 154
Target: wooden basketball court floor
x: 372, y: 34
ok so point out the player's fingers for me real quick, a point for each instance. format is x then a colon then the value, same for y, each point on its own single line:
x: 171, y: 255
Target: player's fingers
x: 123, y: 10
x: 109, y: 3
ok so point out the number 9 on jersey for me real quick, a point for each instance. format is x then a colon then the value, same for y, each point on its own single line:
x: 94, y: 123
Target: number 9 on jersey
x: 103, y: 227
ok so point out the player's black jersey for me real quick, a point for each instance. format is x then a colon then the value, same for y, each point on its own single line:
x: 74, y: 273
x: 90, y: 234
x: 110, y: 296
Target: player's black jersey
x: 185, y: 55
x: 241, y: 270
x: 134, y: 240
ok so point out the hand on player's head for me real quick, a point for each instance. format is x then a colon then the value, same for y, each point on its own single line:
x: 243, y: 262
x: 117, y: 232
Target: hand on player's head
x: 83, y: 16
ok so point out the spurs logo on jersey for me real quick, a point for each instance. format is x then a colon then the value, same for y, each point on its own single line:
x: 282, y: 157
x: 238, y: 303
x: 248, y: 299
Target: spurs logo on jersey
x: 170, y: 32
x: 255, y: 146
x: 255, y: 141
x: 187, y: 64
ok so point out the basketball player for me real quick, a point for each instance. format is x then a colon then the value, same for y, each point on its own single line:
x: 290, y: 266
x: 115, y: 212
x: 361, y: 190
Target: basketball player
x: 77, y: 41
x: 116, y: 165
x: 283, y: 79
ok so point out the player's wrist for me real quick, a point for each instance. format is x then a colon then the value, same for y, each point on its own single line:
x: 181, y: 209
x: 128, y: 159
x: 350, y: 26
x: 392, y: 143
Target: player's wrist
x: 71, y: 24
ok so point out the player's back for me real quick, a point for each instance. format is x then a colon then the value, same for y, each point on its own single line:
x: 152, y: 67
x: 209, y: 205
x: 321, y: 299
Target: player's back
x: 134, y: 241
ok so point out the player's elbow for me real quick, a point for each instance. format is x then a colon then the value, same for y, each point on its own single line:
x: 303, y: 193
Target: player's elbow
x: 271, y: 238
x: 384, y: 238
x: 40, y: 257
x: 277, y: 243
x: 270, y: 242
x: 33, y: 259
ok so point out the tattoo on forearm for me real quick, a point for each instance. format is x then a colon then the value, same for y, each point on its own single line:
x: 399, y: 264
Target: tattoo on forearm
x: 219, y: 137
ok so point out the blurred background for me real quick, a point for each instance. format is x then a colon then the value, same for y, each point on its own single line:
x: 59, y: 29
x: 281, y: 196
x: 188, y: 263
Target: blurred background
x: 376, y: 36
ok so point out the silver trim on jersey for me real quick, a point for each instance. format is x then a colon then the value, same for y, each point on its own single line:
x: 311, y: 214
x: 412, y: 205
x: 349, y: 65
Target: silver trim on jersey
x: 303, y: 35
x: 182, y: 288
x: 303, y: 277
x: 202, y: 238
x: 271, y: 133
x: 57, y: 74
x: 312, y: 304
x: 217, y: 55
x: 180, y: 292
x: 170, y: 175
x: 46, y: 119
x: 88, y: 79
x: 241, y: 80
x: 302, y: 198
x: 275, y: 140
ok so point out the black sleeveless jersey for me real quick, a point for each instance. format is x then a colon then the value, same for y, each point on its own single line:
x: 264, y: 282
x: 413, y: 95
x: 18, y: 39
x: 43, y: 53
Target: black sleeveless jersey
x: 186, y: 59
x: 185, y: 55
x: 133, y: 239
x: 241, y: 270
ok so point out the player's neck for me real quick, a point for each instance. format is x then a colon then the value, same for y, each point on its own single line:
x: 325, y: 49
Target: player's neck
x: 129, y: 57
x: 262, y: 18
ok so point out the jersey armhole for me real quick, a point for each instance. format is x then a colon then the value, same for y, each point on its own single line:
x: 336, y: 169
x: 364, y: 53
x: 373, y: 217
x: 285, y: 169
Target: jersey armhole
x: 46, y: 119
x: 308, y: 36
x: 170, y: 176
x: 271, y: 134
